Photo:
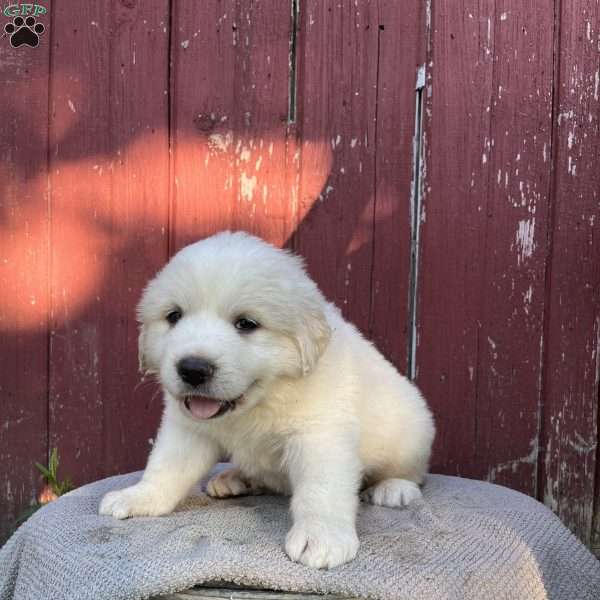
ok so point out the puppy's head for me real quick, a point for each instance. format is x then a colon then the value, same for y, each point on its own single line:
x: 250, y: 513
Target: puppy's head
x: 225, y: 317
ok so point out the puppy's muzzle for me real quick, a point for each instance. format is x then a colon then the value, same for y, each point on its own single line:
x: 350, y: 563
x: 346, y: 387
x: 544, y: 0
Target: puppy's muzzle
x: 195, y: 371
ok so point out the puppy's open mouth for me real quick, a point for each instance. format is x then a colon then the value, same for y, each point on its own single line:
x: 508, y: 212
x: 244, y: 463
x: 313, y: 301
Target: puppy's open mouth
x: 203, y: 407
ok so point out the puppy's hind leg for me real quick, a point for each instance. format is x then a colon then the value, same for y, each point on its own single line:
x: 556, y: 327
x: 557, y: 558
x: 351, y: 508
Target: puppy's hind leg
x: 231, y: 483
x: 393, y: 493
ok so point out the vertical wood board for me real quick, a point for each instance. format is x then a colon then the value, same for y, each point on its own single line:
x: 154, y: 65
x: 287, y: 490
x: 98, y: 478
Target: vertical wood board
x: 109, y: 177
x: 401, y: 56
x: 24, y: 215
x: 229, y: 108
x: 570, y: 410
x: 337, y: 62
x: 484, y: 221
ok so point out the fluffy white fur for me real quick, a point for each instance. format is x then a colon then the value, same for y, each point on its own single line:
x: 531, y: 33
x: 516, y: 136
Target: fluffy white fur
x: 320, y: 413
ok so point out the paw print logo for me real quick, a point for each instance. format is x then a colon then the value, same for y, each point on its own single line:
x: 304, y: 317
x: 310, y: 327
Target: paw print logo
x: 24, y: 31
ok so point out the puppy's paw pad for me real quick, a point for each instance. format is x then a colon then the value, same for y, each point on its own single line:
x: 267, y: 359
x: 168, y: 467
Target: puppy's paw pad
x: 321, y: 544
x: 227, y: 484
x: 134, y: 501
x: 392, y: 493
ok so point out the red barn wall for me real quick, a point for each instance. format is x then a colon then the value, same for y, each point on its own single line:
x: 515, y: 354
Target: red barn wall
x: 436, y: 163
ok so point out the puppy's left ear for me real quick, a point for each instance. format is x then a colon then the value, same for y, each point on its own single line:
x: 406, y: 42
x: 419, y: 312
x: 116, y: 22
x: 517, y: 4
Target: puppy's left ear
x: 312, y: 338
x: 143, y: 367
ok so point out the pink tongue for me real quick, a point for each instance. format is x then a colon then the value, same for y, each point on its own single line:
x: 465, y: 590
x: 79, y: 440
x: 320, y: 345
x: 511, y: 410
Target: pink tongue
x: 203, y: 408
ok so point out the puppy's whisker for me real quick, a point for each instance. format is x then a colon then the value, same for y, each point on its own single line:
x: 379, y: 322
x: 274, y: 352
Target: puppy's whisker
x: 144, y: 383
x: 157, y: 392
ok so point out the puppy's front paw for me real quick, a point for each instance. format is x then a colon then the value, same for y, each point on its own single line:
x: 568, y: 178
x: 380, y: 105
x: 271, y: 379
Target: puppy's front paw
x: 139, y: 500
x: 392, y: 493
x: 321, y: 544
x: 227, y: 484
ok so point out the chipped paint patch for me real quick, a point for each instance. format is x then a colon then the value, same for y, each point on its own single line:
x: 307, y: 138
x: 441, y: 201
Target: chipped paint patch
x: 527, y: 298
x: 513, y: 465
x: 525, y: 239
x: 325, y: 193
x: 245, y: 155
x: 219, y: 142
x: 580, y: 445
x: 565, y: 116
x: 247, y: 185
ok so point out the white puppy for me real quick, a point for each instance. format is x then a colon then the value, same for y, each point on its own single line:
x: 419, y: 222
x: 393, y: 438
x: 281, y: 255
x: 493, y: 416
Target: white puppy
x: 258, y: 367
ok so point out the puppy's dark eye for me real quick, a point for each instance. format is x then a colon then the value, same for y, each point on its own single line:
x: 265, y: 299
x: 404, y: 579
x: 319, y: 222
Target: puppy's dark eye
x: 174, y: 316
x: 246, y: 325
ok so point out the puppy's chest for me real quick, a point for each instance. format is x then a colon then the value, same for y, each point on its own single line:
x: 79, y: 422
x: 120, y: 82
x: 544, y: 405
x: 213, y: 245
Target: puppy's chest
x: 261, y: 454
x: 260, y: 457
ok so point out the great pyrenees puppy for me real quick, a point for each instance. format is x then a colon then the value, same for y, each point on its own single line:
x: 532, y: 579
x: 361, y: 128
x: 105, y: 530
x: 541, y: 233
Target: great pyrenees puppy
x: 257, y: 366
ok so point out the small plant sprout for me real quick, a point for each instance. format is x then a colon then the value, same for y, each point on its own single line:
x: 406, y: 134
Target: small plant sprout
x: 54, y: 486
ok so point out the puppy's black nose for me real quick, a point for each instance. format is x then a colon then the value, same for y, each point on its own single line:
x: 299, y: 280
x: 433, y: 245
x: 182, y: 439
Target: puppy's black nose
x: 194, y: 370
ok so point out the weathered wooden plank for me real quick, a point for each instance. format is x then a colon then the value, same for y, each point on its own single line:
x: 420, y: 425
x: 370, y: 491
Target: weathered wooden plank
x: 570, y: 428
x: 481, y: 273
x: 109, y: 178
x: 459, y: 82
x: 139, y: 210
x: 238, y: 593
x: 24, y: 72
x: 401, y: 53
x: 229, y: 106
x: 510, y: 364
x: 337, y: 94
